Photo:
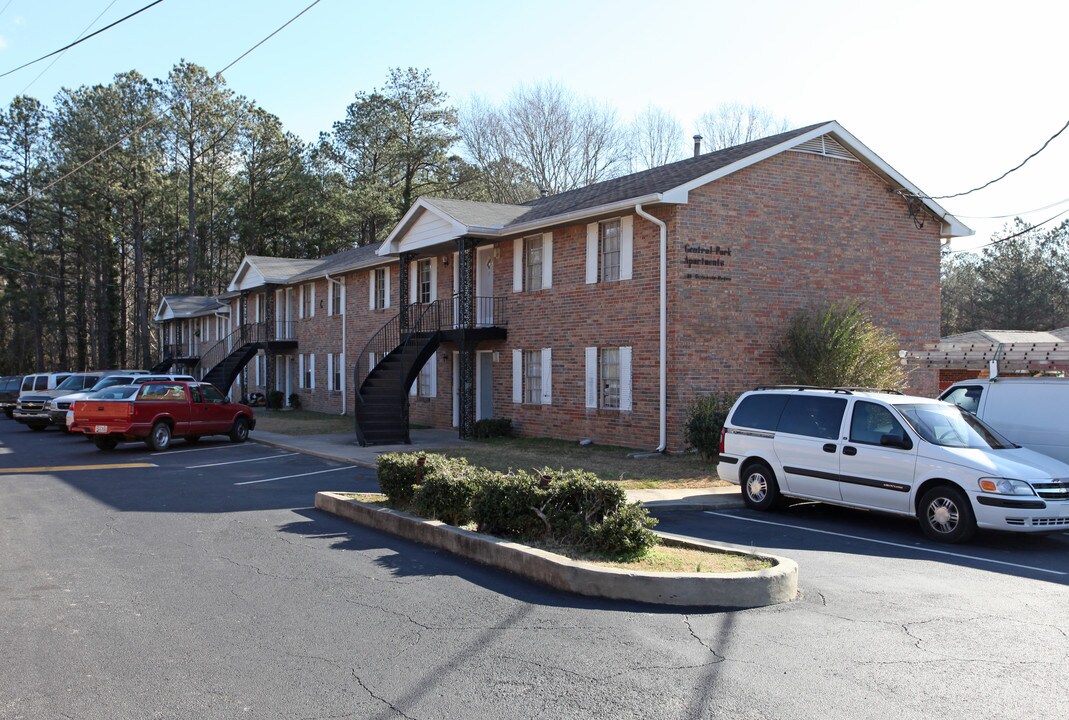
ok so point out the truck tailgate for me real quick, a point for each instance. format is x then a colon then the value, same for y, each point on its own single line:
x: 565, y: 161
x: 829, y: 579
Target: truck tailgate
x: 93, y: 413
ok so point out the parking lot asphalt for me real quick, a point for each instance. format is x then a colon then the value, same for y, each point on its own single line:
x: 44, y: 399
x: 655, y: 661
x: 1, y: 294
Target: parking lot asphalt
x: 201, y: 583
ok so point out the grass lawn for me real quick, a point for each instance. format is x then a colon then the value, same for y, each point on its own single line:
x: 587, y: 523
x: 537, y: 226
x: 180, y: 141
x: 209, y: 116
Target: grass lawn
x: 608, y: 462
x: 302, y: 422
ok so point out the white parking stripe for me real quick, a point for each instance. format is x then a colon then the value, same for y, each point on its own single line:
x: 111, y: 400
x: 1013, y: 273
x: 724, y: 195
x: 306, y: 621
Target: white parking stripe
x: 885, y: 542
x: 196, y: 449
x: 287, y: 477
x: 235, y: 462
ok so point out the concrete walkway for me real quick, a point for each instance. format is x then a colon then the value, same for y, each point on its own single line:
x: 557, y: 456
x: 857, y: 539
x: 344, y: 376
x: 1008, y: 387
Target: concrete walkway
x: 343, y: 448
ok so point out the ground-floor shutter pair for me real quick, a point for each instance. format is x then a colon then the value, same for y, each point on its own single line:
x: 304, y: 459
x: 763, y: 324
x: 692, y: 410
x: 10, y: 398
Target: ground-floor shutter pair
x: 547, y: 376
x: 593, y: 396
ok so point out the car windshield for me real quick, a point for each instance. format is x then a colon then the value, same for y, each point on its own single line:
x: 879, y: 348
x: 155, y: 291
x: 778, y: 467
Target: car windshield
x: 116, y: 392
x: 110, y: 381
x: 950, y: 426
x: 74, y: 382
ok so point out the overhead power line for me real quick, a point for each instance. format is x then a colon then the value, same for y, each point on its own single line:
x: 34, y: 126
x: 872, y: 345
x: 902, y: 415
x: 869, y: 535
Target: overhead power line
x: 1011, y: 237
x: 155, y: 117
x: 56, y: 59
x: 1010, y: 215
x: 1003, y: 175
x: 82, y: 40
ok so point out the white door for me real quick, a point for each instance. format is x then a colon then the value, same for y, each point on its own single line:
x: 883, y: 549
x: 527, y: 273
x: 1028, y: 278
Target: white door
x: 484, y: 385
x: 484, y: 286
x: 456, y: 389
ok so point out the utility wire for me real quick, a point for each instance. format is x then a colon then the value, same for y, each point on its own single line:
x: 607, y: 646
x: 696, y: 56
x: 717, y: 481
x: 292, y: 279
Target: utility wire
x: 155, y: 117
x: 1011, y: 237
x: 56, y: 60
x: 6, y: 5
x: 1000, y: 177
x: 1010, y: 215
x: 82, y: 40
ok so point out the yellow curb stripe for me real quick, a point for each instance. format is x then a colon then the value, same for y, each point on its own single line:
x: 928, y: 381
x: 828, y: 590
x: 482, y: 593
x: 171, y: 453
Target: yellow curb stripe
x: 61, y: 468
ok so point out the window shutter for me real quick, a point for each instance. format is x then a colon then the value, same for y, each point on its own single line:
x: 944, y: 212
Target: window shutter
x: 591, y: 377
x: 517, y: 376
x: 341, y: 299
x: 432, y: 391
x: 386, y: 292
x: 547, y: 260
x: 371, y: 289
x: 300, y: 370
x: 625, y: 379
x: 591, y: 254
x: 330, y: 297
x: 412, y: 282
x: 547, y: 376
x: 627, y: 243
x: 312, y: 366
x: 341, y: 371
x: 517, y: 265
x: 300, y: 302
x: 313, y: 305
x: 330, y: 371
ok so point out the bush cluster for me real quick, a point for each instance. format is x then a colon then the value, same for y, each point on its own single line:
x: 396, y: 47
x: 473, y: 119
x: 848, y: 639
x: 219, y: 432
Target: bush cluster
x: 705, y: 418
x: 571, y: 508
x: 493, y: 428
x: 274, y: 399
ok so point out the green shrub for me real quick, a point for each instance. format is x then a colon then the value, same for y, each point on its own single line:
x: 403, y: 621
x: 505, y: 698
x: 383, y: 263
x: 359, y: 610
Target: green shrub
x: 400, y: 473
x: 503, y: 505
x: 274, y: 399
x: 837, y: 345
x: 625, y: 533
x: 447, y: 495
x: 295, y: 401
x: 493, y: 428
x: 705, y: 418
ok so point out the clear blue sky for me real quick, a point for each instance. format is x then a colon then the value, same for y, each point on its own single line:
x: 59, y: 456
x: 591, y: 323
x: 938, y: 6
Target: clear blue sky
x: 950, y: 93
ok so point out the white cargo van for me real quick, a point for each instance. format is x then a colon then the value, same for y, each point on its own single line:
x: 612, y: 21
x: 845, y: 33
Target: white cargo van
x: 1033, y: 412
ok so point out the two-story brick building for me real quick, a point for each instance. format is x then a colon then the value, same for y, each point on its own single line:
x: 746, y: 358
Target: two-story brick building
x: 603, y: 312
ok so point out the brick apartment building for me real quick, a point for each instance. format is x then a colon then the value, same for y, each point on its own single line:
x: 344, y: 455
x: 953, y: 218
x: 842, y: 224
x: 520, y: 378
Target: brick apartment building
x: 598, y: 313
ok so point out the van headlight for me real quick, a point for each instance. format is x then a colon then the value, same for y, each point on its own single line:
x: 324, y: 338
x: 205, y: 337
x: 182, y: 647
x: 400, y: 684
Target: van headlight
x: 1005, y: 486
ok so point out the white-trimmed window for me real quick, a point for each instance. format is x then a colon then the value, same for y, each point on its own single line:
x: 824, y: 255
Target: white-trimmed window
x: 532, y: 258
x: 379, y: 292
x: 335, y: 368
x: 308, y: 300
x: 610, y: 250
x: 608, y: 378
x: 306, y: 371
x: 532, y: 376
x: 336, y: 299
x: 423, y: 281
x: 426, y: 385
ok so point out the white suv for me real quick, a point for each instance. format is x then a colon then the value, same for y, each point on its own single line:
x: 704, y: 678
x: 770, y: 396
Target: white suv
x: 893, y: 453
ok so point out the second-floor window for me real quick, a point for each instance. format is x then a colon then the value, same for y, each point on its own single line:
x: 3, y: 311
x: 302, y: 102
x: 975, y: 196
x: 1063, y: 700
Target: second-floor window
x: 609, y: 244
x: 423, y: 281
x: 337, y: 307
x: 532, y: 262
x: 379, y: 289
x: 308, y: 300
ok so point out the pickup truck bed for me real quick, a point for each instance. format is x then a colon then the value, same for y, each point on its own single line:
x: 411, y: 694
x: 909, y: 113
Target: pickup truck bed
x: 161, y: 411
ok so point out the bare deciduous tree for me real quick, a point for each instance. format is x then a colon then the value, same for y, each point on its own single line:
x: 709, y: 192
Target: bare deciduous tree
x: 656, y: 139
x: 734, y: 123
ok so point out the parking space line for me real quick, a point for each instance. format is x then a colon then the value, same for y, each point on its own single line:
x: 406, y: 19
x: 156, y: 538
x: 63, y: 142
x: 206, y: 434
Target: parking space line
x: 196, y: 449
x: 287, y: 477
x: 235, y: 462
x: 61, y: 468
x: 887, y: 542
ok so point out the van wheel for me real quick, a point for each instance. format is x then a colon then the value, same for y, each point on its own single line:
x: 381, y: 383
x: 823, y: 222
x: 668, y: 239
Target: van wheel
x: 160, y: 437
x: 946, y: 515
x: 105, y: 443
x: 240, y: 432
x: 760, y: 491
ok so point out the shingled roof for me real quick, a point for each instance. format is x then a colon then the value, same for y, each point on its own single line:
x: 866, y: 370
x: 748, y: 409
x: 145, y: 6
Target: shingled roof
x: 340, y: 262
x: 187, y: 306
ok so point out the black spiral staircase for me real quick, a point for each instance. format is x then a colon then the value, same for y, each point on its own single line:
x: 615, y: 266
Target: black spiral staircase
x: 227, y: 358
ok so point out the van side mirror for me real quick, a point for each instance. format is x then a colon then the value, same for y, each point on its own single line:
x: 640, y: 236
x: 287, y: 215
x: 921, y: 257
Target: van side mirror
x: 898, y: 441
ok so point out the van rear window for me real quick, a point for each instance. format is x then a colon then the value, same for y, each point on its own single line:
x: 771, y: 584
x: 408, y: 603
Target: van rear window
x: 760, y: 411
x: 820, y: 417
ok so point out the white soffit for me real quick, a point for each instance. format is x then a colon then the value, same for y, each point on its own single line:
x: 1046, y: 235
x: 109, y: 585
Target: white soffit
x: 422, y: 226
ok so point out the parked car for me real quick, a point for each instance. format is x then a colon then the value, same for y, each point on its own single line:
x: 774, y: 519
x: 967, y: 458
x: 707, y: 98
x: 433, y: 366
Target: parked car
x: 9, y: 393
x: 893, y: 453
x: 161, y: 411
x: 1033, y: 412
x: 58, y: 408
x: 38, y: 389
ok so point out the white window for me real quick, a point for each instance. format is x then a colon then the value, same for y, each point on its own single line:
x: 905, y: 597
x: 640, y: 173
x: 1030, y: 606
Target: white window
x: 609, y: 250
x: 608, y: 378
x: 423, y: 281
x: 426, y: 384
x: 532, y: 376
x: 308, y: 300
x: 335, y: 368
x: 307, y: 370
x: 379, y: 296
x: 336, y: 300
x: 532, y: 259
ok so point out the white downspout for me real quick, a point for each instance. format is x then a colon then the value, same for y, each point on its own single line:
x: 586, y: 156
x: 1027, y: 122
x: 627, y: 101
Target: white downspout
x: 664, y: 326
x: 345, y: 355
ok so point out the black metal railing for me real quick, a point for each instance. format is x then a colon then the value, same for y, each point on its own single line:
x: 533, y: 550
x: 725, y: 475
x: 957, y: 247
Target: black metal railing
x: 172, y: 350
x: 285, y: 330
x: 423, y: 320
x: 489, y: 311
x: 247, y: 333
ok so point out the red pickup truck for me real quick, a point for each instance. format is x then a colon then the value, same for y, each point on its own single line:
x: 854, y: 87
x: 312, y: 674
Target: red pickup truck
x: 161, y: 411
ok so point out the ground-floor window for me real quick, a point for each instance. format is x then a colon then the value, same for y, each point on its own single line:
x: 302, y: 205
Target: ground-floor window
x: 307, y: 370
x: 335, y: 367
x: 426, y: 384
x: 532, y: 376
x: 608, y: 378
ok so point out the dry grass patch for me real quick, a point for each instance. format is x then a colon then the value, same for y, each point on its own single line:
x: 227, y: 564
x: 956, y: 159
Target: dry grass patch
x: 608, y: 462
x: 303, y: 422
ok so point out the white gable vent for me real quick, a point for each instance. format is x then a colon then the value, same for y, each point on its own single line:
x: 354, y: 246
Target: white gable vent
x: 825, y: 145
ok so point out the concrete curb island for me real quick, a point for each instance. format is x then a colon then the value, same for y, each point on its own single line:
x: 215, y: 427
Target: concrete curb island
x: 729, y: 590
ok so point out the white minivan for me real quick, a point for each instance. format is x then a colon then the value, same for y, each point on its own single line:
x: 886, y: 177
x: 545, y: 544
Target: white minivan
x: 1033, y: 412
x: 894, y: 453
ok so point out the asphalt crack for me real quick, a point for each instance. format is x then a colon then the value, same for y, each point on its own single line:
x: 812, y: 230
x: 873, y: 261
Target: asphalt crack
x: 382, y: 700
x: 690, y: 629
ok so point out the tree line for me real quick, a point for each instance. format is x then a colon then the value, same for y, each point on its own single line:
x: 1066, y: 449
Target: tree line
x: 117, y: 194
